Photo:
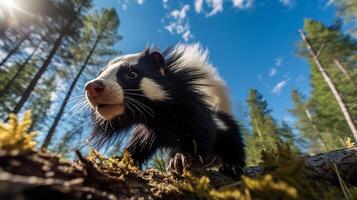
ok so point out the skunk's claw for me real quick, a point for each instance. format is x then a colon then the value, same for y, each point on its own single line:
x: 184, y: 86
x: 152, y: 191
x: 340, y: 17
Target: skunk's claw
x: 231, y: 170
x: 181, y: 161
x: 178, y: 163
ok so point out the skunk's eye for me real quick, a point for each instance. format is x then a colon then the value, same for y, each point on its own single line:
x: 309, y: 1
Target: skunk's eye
x: 132, y: 74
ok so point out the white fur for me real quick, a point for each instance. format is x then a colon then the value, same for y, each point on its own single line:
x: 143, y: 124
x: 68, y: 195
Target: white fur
x: 191, y: 56
x: 113, y: 94
x: 129, y: 58
x: 153, y: 90
x: 194, y: 56
x: 220, y: 124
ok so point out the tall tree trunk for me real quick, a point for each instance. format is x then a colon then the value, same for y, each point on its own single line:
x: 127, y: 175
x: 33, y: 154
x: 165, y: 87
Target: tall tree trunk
x: 52, y: 129
x: 258, y: 129
x: 308, y: 114
x: 14, y: 50
x: 47, y: 62
x: 344, y: 72
x: 22, y: 66
x: 331, y: 85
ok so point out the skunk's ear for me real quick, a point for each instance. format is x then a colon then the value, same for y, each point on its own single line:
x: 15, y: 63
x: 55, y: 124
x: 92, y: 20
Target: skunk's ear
x: 157, y: 60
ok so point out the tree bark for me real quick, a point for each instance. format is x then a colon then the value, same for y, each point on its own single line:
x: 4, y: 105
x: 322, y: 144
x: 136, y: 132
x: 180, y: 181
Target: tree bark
x: 47, y: 62
x: 14, y: 50
x: 309, y: 117
x: 59, y: 114
x: 8, y: 85
x: 331, y: 85
x: 323, y: 166
x: 344, y: 71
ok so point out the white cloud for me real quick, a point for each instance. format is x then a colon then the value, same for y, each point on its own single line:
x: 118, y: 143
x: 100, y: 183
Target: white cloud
x: 187, y: 35
x: 242, y: 4
x: 287, y: 3
x: 260, y: 77
x: 165, y: 3
x: 125, y: 3
x: 198, y: 5
x: 279, y: 61
x: 280, y: 86
x: 273, y: 72
x: 216, y: 5
x: 140, y: 2
x: 330, y: 2
x: 180, y: 14
x: 179, y: 23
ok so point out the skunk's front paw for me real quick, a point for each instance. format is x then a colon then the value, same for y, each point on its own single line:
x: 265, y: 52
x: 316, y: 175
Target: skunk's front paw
x: 231, y: 170
x: 181, y: 161
x: 178, y: 163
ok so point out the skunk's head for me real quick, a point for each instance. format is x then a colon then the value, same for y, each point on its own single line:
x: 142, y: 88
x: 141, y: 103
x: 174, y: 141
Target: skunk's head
x: 126, y: 83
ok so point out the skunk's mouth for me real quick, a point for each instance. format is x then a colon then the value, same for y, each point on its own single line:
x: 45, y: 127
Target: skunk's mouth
x: 110, y: 110
x: 109, y: 106
x: 101, y: 105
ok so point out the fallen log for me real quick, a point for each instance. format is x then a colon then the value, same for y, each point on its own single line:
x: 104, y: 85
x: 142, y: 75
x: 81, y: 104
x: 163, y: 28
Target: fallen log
x: 324, y: 166
x: 41, y: 175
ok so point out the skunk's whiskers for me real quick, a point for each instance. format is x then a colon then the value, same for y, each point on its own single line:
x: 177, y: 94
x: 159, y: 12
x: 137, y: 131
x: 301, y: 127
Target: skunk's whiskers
x: 144, y: 107
x: 137, y: 107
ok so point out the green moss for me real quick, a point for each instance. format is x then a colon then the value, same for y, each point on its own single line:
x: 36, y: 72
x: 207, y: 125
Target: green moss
x: 248, y: 189
x: 284, y: 174
x: 14, y: 135
x: 113, y: 163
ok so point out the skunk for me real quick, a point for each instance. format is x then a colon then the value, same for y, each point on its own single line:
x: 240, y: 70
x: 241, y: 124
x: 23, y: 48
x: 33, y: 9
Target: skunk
x: 172, y: 99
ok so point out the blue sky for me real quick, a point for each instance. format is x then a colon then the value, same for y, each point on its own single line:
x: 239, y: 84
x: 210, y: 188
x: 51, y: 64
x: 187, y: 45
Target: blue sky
x: 251, y: 42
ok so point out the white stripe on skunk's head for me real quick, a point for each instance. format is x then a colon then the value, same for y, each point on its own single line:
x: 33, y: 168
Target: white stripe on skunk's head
x: 126, y: 83
x: 215, y: 89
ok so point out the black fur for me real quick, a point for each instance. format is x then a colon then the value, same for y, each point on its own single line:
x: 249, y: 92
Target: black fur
x: 183, y: 123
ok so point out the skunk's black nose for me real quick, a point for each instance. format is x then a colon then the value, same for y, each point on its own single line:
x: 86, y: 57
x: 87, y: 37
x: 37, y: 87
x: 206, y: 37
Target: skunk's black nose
x: 94, y: 88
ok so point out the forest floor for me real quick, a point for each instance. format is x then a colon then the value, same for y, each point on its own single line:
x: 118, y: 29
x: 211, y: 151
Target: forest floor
x: 41, y: 175
x: 30, y: 174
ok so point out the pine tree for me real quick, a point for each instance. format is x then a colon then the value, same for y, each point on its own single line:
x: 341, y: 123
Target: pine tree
x: 18, y: 86
x: 40, y: 103
x: 305, y: 123
x: 65, y: 143
x: 14, y: 49
x: 288, y: 137
x: 18, y: 29
x: 327, y: 112
x: 100, y: 31
x: 347, y: 11
x: 265, y: 132
x: 74, y: 9
x: 7, y: 87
